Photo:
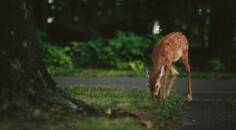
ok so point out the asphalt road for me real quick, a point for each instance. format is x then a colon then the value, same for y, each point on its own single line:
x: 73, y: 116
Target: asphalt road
x: 202, y: 88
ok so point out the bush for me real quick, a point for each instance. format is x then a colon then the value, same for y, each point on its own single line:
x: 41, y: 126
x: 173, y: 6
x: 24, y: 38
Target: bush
x: 216, y: 65
x: 54, y: 56
x: 124, y: 51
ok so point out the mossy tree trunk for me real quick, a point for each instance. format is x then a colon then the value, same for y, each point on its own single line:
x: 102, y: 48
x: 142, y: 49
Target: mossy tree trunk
x: 23, y: 75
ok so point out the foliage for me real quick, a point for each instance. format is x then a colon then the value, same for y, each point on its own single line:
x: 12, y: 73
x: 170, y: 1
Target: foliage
x: 57, y: 56
x: 54, y: 56
x: 216, y: 65
x: 170, y: 107
x: 124, y: 51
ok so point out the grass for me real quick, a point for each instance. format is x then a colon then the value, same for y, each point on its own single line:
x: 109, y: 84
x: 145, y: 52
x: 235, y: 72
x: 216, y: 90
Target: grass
x: 136, y: 101
x: 89, y: 72
x: 92, y: 72
x: 100, y: 123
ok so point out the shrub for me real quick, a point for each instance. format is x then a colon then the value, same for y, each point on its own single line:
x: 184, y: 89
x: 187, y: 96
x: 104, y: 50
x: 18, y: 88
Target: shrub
x: 216, y: 65
x: 56, y: 56
x: 125, y: 50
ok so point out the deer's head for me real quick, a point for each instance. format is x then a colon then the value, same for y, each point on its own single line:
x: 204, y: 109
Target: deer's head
x: 155, y: 79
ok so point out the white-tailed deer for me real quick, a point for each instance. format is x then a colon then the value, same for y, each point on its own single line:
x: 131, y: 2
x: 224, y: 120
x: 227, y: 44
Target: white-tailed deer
x: 171, y: 48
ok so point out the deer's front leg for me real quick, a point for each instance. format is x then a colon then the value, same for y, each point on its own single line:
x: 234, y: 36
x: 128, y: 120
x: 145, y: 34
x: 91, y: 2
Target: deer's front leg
x: 174, y: 73
x: 165, y: 81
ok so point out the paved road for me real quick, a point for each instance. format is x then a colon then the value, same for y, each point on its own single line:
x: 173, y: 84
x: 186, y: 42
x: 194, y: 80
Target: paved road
x: 213, y: 106
x: 202, y: 89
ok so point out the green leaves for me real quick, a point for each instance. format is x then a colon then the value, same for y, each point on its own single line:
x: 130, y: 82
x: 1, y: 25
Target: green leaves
x: 125, y: 50
x: 216, y: 65
x: 57, y: 56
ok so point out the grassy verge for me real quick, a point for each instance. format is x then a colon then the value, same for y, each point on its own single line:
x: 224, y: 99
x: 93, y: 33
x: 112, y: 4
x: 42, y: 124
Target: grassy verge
x: 136, y: 101
x: 55, y: 71
x: 89, y: 72
x: 156, y: 113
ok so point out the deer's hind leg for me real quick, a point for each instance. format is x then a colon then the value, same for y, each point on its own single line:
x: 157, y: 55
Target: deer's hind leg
x: 188, y: 71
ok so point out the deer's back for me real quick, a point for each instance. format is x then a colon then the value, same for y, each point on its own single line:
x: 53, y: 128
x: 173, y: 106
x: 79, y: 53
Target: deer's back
x: 170, y: 48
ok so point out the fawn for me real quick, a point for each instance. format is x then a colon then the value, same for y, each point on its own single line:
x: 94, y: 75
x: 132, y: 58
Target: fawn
x: 170, y: 49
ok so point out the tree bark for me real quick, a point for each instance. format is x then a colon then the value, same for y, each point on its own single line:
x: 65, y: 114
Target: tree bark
x: 24, y: 79
x: 40, y: 9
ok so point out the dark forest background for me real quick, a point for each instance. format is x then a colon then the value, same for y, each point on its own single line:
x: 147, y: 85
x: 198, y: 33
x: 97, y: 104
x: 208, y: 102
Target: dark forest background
x: 210, y: 26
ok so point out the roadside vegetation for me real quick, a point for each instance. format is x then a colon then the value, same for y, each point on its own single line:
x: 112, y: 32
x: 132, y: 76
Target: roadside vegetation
x: 124, y: 55
x: 152, y: 113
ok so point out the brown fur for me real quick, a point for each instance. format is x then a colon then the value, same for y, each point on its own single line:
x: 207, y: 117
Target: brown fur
x: 170, y: 48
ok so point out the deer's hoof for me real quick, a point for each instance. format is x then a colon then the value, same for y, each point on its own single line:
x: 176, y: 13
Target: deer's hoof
x: 189, y: 98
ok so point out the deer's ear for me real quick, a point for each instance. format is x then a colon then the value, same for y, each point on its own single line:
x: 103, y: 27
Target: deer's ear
x: 147, y: 72
x: 162, y: 71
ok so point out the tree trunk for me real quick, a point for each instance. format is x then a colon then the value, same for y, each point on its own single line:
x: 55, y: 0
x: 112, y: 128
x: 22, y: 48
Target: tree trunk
x: 23, y: 75
x: 221, y: 31
x: 40, y: 9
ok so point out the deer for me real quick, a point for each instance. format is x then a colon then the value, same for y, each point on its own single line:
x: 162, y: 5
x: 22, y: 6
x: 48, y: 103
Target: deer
x: 169, y: 49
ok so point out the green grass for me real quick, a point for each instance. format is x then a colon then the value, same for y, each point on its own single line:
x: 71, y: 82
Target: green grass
x: 136, y: 101
x: 101, y: 123
x: 88, y: 72
x: 91, y: 72
x: 131, y: 100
